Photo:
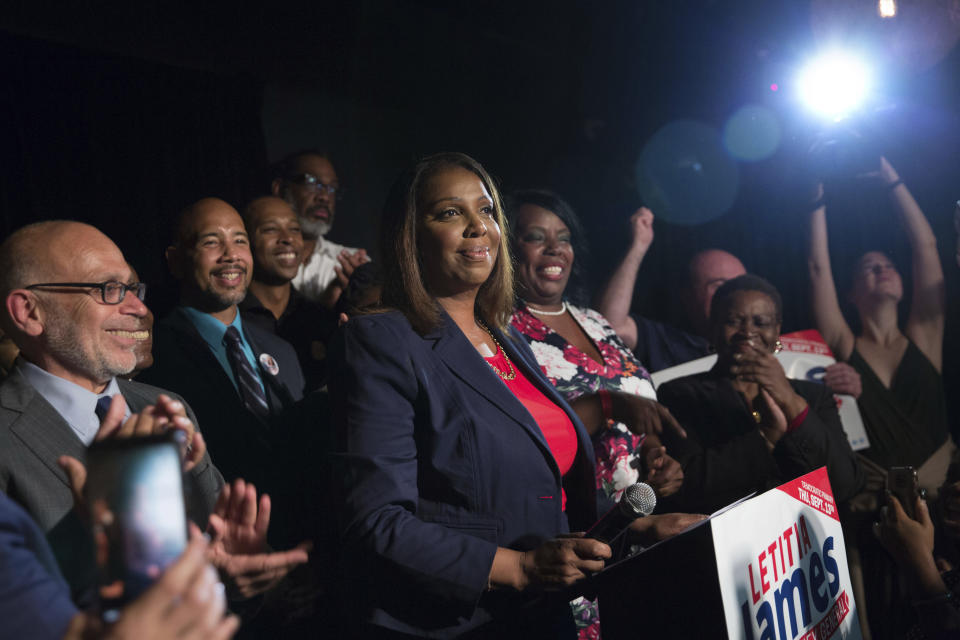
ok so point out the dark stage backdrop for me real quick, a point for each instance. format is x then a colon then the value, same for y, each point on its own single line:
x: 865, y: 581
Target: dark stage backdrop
x: 124, y: 142
x: 121, y: 143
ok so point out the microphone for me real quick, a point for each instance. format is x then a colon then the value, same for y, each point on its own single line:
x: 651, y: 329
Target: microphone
x: 637, y: 501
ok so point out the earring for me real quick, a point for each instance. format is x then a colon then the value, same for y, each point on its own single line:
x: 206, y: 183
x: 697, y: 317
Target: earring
x: 777, y: 348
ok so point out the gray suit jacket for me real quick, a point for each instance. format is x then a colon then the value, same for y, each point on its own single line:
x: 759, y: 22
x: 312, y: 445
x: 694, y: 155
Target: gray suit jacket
x: 33, y: 435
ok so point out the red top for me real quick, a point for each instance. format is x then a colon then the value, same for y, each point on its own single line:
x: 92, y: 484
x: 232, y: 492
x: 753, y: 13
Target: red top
x: 557, y: 429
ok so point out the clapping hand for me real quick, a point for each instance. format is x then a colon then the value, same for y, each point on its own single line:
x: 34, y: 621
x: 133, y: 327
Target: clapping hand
x: 238, y: 528
x: 762, y: 367
x: 156, y: 419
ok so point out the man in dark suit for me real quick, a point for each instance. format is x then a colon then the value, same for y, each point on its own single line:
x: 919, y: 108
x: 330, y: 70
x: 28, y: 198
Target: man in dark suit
x: 238, y: 378
x: 73, y: 307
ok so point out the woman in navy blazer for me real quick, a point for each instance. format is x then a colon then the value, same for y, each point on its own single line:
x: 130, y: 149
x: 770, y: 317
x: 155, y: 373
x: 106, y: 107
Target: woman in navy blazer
x: 452, y: 497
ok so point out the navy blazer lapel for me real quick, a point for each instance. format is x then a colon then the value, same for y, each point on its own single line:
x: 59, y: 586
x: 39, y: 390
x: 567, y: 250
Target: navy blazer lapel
x: 195, y: 347
x: 463, y: 360
x: 40, y: 427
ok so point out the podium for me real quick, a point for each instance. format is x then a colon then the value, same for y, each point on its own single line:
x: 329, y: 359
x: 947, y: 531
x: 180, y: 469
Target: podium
x: 772, y: 567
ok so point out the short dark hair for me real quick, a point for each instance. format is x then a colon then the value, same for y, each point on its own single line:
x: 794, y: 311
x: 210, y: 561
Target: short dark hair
x: 746, y: 282
x: 403, y: 285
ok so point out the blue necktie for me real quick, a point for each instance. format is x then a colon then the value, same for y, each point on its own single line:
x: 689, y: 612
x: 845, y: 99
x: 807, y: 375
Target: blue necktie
x: 103, y: 405
x: 251, y: 392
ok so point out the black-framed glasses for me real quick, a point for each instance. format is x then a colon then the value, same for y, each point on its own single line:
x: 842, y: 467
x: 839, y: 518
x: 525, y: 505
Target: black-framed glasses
x: 111, y: 292
x: 313, y: 183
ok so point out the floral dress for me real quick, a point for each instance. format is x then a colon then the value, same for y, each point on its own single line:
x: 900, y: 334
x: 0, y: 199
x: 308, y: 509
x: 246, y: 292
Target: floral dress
x: 574, y: 373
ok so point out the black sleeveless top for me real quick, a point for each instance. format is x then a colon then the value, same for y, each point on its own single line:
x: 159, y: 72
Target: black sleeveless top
x: 907, y: 422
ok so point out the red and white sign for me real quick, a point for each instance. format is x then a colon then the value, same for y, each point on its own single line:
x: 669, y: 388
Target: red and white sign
x: 782, y: 565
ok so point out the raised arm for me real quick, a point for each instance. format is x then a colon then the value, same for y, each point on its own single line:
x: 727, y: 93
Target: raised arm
x: 617, y: 296
x: 826, y: 308
x: 926, y: 321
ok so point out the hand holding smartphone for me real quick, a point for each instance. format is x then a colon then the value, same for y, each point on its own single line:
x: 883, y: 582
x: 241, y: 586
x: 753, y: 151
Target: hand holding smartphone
x: 902, y: 482
x: 134, y: 493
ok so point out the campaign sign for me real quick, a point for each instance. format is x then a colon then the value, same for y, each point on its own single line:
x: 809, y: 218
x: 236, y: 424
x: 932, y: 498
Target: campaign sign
x: 782, y: 565
x: 771, y: 567
x: 805, y: 356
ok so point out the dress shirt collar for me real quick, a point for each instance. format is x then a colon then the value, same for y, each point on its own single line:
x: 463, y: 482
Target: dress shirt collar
x: 211, y: 329
x: 74, y: 403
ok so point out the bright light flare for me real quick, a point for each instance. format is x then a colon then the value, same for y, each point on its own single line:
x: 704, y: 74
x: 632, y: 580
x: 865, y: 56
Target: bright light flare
x: 834, y: 84
x: 887, y: 8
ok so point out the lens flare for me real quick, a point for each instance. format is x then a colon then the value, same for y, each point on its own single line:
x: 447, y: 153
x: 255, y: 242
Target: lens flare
x: 834, y: 84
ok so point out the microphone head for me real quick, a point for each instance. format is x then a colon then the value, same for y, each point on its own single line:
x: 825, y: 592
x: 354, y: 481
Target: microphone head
x: 640, y: 497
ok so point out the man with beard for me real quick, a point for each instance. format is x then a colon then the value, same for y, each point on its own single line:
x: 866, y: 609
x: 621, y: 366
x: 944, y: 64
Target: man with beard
x: 272, y: 303
x: 74, y: 307
x: 308, y: 182
x: 237, y: 377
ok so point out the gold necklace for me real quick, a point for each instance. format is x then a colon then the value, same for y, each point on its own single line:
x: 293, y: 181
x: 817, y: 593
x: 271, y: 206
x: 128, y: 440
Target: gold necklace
x: 512, y: 372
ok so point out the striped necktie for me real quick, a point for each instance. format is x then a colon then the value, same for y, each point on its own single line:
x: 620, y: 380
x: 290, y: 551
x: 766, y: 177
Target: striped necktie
x: 251, y: 391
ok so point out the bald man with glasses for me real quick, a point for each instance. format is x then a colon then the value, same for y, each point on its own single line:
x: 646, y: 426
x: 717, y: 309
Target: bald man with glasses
x: 74, y: 308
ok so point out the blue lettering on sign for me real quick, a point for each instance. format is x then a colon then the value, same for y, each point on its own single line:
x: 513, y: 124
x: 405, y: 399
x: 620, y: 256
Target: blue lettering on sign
x: 816, y: 374
x: 771, y: 620
x: 819, y: 595
x: 783, y: 597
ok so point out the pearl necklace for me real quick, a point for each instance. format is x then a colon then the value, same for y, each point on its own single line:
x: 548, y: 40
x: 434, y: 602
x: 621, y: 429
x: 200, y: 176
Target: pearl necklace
x: 541, y: 312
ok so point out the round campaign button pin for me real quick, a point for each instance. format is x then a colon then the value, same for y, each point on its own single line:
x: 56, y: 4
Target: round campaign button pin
x: 269, y: 364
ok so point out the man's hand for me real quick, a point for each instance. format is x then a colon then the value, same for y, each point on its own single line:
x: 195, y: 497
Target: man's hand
x: 171, y: 413
x: 154, y: 420
x: 348, y: 264
x: 239, y: 541
x: 841, y: 378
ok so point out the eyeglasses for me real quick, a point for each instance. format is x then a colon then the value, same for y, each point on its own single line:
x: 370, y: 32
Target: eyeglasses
x: 111, y: 292
x: 312, y: 182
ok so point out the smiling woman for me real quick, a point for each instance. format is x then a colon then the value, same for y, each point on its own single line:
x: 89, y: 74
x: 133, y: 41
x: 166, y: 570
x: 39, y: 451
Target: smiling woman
x: 751, y: 428
x: 589, y: 365
x: 462, y: 463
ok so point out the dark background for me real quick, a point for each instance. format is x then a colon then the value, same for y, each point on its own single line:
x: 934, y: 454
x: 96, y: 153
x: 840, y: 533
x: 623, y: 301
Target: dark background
x: 122, y: 114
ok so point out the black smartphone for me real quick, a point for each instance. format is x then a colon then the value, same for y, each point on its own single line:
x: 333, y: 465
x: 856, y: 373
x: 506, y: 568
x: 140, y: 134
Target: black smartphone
x: 134, y: 495
x: 902, y: 482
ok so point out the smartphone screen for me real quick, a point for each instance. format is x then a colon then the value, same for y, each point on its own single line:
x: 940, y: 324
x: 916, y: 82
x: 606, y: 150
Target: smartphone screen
x: 134, y: 494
